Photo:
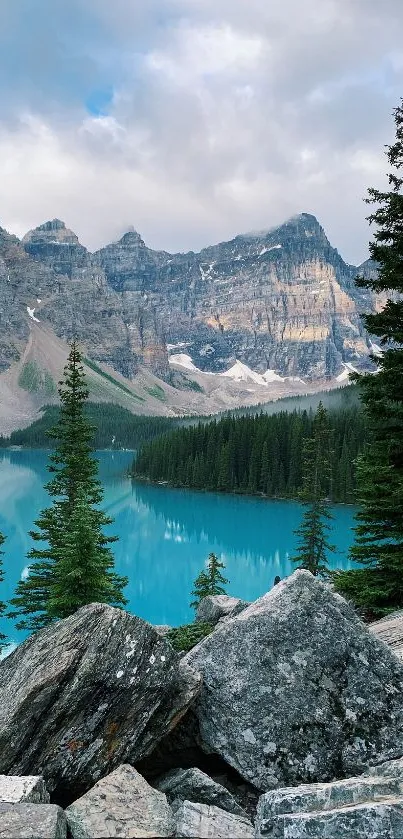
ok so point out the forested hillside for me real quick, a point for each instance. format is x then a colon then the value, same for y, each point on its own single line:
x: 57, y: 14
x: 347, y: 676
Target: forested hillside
x: 261, y: 454
x: 115, y: 427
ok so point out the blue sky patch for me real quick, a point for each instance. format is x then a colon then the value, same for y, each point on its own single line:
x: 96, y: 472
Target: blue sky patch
x: 98, y: 102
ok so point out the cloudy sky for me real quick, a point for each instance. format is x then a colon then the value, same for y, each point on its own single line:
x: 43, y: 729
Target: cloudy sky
x: 195, y: 120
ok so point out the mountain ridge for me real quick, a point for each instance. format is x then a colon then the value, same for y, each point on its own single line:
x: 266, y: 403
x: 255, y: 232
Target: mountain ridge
x: 281, y: 304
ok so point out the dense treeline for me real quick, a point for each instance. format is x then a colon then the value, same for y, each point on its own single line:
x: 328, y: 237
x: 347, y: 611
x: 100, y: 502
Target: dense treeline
x: 115, y: 428
x: 258, y: 454
x: 346, y: 396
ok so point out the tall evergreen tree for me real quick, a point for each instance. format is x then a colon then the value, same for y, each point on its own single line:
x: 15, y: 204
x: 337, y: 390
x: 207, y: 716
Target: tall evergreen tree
x: 377, y: 587
x: 210, y: 581
x: 75, y: 567
x: 313, y: 544
x: 3, y: 638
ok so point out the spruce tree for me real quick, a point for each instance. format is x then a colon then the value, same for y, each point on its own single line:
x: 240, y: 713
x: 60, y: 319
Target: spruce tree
x: 3, y: 638
x: 210, y: 581
x: 75, y: 565
x: 377, y: 587
x: 313, y: 544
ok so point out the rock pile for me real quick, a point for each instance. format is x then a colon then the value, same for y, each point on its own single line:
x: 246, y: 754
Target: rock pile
x: 290, y: 697
x: 123, y: 804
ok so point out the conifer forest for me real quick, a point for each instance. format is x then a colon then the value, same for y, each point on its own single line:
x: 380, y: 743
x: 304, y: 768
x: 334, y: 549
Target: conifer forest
x: 254, y: 454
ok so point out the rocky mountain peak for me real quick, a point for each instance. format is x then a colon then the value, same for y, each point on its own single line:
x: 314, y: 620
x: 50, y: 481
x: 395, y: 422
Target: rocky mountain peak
x: 129, y: 264
x: 131, y: 238
x: 7, y: 238
x: 53, y: 244
x: 52, y: 232
x: 300, y: 225
x: 55, y: 224
x: 308, y: 219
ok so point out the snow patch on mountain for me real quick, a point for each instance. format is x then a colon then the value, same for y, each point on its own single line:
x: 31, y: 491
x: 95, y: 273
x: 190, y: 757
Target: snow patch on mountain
x: 376, y: 349
x: 348, y: 368
x: 205, y: 273
x: 31, y: 313
x: 266, y: 250
x: 181, y: 345
x: 242, y: 373
x: 272, y: 376
x: 183, y: 360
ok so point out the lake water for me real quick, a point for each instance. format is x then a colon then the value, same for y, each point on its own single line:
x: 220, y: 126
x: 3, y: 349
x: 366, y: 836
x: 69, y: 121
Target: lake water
x: 165, y: 535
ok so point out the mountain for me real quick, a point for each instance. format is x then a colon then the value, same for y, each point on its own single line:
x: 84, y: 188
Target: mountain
x: 267, y: 313
x: 281, y: 299
x: 120, y: 329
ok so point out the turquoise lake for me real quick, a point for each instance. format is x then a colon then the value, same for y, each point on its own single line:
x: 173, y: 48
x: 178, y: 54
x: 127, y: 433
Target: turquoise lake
x: 165, y: 535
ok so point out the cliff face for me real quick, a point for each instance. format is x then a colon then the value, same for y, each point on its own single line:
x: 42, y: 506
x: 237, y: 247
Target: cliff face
x: 21, y: 282
x: 281, y: 300
x: 120, y: 329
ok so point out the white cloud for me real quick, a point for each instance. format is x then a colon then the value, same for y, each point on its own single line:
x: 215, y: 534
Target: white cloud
x: 199, y: 53
x: 225, y: 116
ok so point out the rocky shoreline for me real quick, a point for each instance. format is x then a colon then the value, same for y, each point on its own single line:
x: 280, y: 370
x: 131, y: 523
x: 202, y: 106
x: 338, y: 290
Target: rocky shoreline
x: 286, y: 721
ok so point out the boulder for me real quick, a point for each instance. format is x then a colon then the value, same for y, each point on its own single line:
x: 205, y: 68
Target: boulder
x: 390, y: 769
x: 214, y: 607
x: 367, y: 807
x: 208, y: 822
x: 295, y: 689
x: 15, y: 789
x: 32, y: 821
x: 87, y: 693
x: 310, y: 797
x: 122, y: 804
x: 194, y: 785
x: 375, y: 820
x: 390, y: 630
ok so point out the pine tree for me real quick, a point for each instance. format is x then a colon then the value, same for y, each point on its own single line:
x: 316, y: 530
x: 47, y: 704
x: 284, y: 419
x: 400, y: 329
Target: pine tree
x: 84, y: 565
x: 377, y: 587
x: 264, y: 472
x: 210, y: 581
x: 3, y: 638
x: 75, y: 567
x: 313, y: 543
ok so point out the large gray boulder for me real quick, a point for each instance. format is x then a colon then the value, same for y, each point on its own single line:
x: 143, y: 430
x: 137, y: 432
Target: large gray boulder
x: 86, y: 694
x: 215, y: 607
x: 15, y: 789
x: 195, y: 785
x: 202, y: 821
x: 295, y: 689
x: 367, y: 807
x: 374, y: 820
x: 122, y: 804
x: 32, y: 821
x: 390, y: 630
x: 307, y: 798
x: 389, y: 769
